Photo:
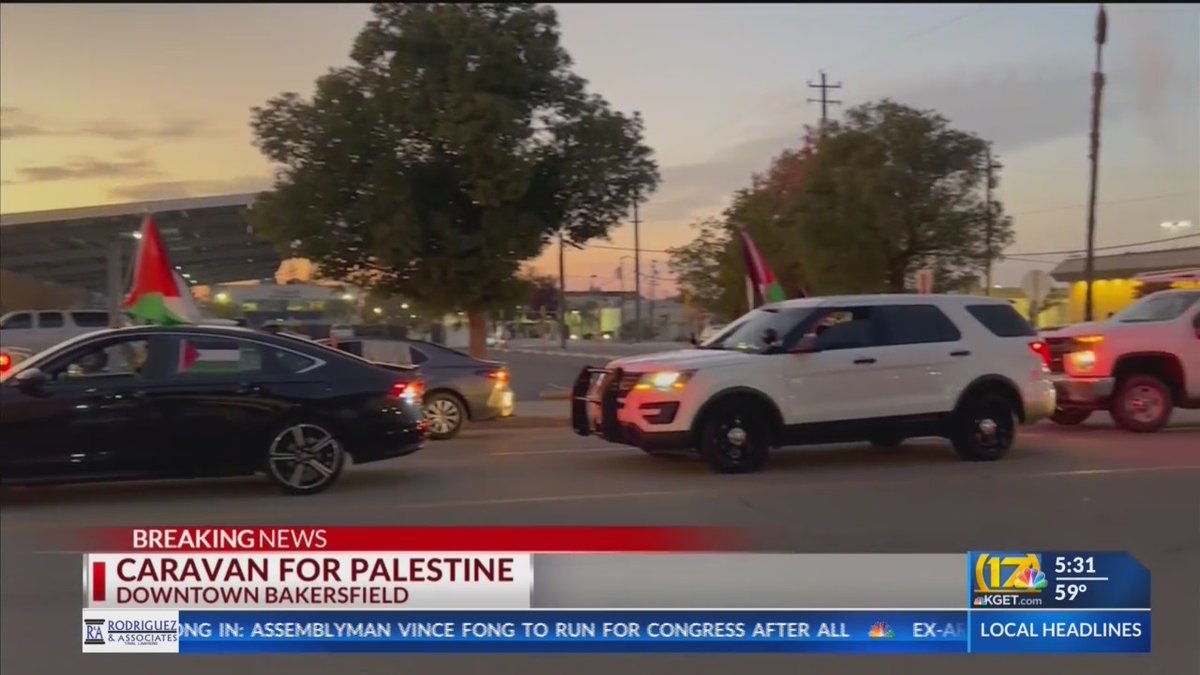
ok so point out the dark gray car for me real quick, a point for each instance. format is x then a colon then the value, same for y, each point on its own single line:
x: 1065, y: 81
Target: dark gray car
x: 458, y: 387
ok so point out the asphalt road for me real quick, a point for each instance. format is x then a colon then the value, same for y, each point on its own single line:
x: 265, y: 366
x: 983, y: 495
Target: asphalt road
x: 1090, y: 489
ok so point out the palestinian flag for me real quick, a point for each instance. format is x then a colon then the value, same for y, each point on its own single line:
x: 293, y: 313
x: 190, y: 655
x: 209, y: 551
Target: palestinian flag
x: 158, y: 295
x: 209, y: 357
x: 761, y: 285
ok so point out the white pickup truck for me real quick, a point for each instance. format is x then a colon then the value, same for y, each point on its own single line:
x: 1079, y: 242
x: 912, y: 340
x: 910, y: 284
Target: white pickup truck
x: 1139, y: 365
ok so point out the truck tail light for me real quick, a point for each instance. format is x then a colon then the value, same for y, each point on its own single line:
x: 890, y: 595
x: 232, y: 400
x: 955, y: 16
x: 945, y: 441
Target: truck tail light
x: 1041, y: 349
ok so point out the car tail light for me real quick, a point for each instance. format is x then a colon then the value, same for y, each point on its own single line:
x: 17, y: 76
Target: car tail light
x: 411, y: 391
x: 1041, y: 349
x: 500, y: 376
x: 5, y: 362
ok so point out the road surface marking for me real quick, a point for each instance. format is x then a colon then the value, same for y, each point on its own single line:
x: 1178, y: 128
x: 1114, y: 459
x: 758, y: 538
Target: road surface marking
x: 1105, y: 472
x: 576, y: 451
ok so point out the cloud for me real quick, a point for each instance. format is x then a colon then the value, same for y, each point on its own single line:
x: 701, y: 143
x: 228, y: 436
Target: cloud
x: 85, y: 168
x: 190, y: 188
x: 17, y: 123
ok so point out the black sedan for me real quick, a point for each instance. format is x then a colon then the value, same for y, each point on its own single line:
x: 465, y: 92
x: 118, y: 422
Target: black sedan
x: 202, y: 401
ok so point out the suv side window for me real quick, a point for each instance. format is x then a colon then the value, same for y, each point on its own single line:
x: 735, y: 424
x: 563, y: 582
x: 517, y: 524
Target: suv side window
x: 847, y: 328
x: 917, y: 325
x: 50, y: 320
x: 21, y: 321
x: 1002, y: 320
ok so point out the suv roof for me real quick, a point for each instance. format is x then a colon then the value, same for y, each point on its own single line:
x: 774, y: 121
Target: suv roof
x: 887, y: 299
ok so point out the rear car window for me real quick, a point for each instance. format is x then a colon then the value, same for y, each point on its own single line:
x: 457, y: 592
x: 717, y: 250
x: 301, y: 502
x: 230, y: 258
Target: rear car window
x: 50, y: 320
x: 1002, y: 320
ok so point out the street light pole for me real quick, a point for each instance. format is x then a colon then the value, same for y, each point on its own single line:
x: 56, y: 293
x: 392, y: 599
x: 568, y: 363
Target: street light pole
x: 1094, y: 157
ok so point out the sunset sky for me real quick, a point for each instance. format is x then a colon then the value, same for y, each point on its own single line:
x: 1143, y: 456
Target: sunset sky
x: 119, y: 103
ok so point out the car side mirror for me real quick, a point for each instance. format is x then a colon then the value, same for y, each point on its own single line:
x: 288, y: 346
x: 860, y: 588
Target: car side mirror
x: 806, y: 345
x: 31, y: 380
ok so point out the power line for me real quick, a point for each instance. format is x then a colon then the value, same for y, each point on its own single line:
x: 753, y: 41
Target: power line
x: 1072, y: 207
x: 889, y: 47
x: 1108, y: 248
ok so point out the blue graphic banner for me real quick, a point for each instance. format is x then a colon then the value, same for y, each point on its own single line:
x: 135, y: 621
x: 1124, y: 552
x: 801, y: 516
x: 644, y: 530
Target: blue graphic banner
x: 1056, y: 580
x: 665, y: 631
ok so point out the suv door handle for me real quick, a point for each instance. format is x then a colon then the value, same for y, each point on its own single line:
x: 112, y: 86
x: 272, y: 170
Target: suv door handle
x: 251, y: 389
x: 864, y: 360
x: 961, y: 352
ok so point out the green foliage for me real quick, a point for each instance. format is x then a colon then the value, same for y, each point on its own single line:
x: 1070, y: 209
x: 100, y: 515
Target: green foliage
x: 894, y: 189
x: 450, y: 151
x: 856, y: 209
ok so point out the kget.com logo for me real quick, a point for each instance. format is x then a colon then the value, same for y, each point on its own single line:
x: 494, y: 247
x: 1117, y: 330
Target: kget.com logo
x: 1007, y: 579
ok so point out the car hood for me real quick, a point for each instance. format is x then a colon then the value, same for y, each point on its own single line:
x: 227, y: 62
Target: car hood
x: 681, y: 359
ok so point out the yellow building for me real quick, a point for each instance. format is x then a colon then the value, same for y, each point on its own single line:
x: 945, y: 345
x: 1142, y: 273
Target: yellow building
x: 1115, y: 283
x: 1054, y: 314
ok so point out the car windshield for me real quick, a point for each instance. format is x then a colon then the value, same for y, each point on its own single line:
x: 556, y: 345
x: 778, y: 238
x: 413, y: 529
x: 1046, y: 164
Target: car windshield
x: 746, y: 334
x: 1158, y: 308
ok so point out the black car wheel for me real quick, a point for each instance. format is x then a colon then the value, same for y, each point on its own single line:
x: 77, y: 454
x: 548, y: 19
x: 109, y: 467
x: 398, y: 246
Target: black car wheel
x: 735, y: 438
x: 305, y: 459
x: 1143, y: 403
x: 985, y: 428
x: 445, y: 414
x: 1070, y: 417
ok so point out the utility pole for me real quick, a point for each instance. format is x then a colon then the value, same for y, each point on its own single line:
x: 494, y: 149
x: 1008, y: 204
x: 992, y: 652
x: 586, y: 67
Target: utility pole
x: 825, y: 101
x: 990, y: 224
x: 653, y: 293
x: 637, y: 272
x: 562, y: 291
x: 1094, y: 157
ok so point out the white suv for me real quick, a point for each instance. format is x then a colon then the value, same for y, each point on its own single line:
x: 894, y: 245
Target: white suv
x: 879, y: 368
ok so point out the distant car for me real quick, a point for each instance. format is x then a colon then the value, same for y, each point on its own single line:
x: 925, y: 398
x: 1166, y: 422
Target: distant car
x: 202, y: 401
x: 459, y: 387
x: 42, y: 329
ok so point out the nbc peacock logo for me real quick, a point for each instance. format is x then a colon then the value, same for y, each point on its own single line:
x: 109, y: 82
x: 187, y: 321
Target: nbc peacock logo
x: 1030, y: 579
x: 881, y: 631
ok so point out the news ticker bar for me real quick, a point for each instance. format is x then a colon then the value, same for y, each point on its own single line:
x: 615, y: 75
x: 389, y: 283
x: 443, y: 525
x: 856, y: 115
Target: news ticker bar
x: 630, y: 631
x: 340, y: 580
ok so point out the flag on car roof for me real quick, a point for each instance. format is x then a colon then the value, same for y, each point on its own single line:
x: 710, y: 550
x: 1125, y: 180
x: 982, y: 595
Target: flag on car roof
x: 761, y: 285
x: 158, y: 295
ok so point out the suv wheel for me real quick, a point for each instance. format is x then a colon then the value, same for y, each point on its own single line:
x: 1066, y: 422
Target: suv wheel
x: 1070, y: 416
x: 735, y: 437
x: 984, y: 429
x: 1142, y: 403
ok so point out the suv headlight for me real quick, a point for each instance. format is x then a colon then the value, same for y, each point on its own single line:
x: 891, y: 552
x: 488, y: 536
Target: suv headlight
x: 664, y: 380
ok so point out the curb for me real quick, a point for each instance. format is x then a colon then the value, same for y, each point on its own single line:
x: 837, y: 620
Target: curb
x: 555, y: 395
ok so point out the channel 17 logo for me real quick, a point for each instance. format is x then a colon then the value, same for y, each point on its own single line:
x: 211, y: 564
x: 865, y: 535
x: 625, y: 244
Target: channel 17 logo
x: 1009, y: 573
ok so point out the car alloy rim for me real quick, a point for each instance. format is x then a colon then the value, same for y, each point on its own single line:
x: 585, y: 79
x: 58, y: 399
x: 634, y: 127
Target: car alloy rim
x: 733, y: 439
x: 1144, y: 404
x: 304, y: 456
x: 443, y: 416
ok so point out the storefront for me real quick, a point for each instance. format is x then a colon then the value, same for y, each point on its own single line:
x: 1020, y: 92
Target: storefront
x: 1123, y: 278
